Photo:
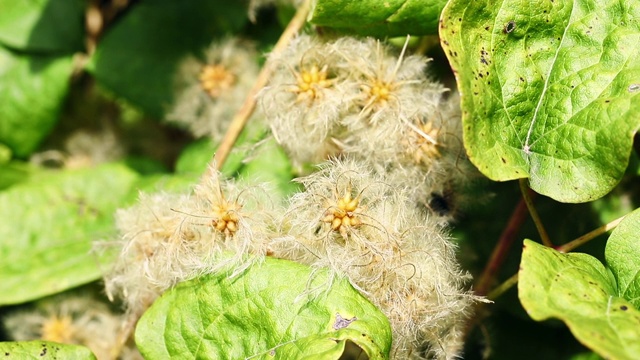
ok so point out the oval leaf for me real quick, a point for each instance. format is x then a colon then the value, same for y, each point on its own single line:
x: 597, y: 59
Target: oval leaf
x: 623, y: 257
x: 580, y: 291
x: 265, y: 312
x: 44, y: 350
x: 43, y: 25
x: 33, y: 89
x: 550, y: 90
x: 379, y: 17
x: 48, y: 225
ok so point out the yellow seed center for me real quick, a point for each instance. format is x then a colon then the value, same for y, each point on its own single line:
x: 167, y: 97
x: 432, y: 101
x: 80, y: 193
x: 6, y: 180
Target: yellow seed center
x: 58, y: 329
x: 215, y: 79
x: 310, y: 83
x: 422, y: 143
x: 226, y: 218
x: 344, y: 215
x: 379, y: 91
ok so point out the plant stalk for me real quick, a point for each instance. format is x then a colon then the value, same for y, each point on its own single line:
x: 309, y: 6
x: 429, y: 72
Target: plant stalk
x: 526, y: 195
x: 508, y: 284
x: 571, y: 245
x: 502, y: 288
x: 502, y: 248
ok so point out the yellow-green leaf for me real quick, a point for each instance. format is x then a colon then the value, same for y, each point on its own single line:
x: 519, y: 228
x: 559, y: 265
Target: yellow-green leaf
x: 599, y: 304
x: 550, y: 90
x: 269, y: 311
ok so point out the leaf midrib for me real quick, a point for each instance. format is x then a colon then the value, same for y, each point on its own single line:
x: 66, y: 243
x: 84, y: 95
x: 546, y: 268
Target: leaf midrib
x: 526, y: 147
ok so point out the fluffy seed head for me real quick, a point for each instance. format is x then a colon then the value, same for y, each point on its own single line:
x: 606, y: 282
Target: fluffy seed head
x: 306, y: 98
x: 392, y: 87
x: 354, y: 221
x: 171, y: 238
x: 210, y: 90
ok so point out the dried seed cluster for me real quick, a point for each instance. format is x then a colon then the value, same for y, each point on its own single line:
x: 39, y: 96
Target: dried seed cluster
x: 171, y: 238
x: 210, y: 90
x: 352, y: 220
x: 359, y: 97
x: 368, y: 214
x: 343, y: 214
x: 215, y: 79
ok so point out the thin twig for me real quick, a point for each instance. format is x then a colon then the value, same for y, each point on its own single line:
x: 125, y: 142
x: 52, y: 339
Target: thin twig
x: 502, y: 288
x: 589, y: 236
x: 125, y: 334
x: 242, y: 116
x: 502, y: 248
x: 526, y: 195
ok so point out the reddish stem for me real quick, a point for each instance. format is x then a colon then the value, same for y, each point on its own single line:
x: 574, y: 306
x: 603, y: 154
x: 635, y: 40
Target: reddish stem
x: 502, y: 248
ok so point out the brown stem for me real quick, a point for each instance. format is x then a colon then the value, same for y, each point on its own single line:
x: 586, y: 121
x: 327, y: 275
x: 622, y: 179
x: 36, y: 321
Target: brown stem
x: 242, y: 116
x: 125, y: 334
x: 502, y: 248
x: 526, y: 195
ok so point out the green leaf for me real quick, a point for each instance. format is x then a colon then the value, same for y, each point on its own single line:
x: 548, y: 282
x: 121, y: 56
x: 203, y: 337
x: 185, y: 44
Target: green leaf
x: 271, y: 165
x: 139, y: 56
x: 44, y: 350
x: 48, y: 225
x: 580, y: 291
x: 623, y: 257
x: 14, y: 172
x: 33, y: 89
x: 550, y: 90
x: 5, y: 154
x: 43, y: 25
x: 264, y: 312
x: 195, y: 158
x: 586, y: 356
x: 379, y: 17
x: 171, y: 183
